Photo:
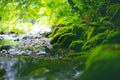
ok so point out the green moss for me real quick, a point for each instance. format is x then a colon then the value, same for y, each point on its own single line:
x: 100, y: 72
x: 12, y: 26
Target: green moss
x: 89, y: 32
x: 103, y: 63
x: 94, y: 41
x: 8, y: 42
x: 113, y: 37
x: 2, y: 72
x: 76, y: 45
x: 66, y: 29
x: 100, y: 29
x: 111, y: 9
x: 114, y: 12
x: 54, y: 31
x: 54, y: 38
x: 65, y: 39
x: 78, y: 29
x: 60, y: 31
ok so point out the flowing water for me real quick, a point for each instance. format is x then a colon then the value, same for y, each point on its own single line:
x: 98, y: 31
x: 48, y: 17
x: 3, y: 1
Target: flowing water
x: 33, y: 43
x: 33, y: 67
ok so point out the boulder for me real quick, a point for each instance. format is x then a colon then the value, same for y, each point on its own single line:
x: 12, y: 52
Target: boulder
x: 103, y: 64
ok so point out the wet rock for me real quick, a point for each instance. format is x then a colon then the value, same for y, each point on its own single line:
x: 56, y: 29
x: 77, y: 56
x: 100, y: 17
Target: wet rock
x: 4, y: 37
x: 47, y: 34
x: 17, y: 39
x: 26, y: 44
x: 6, y: 47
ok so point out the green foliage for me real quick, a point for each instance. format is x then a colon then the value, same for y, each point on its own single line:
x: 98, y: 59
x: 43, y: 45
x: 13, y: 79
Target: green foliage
x: 103, y: 63
x: 16, y: 11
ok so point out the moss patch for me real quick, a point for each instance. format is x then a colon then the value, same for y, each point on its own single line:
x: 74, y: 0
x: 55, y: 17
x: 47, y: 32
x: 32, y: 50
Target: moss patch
x: 103, y: 64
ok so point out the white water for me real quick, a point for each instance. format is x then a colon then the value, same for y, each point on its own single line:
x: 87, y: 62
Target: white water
x: 33, y: 43
x: 8, y: 64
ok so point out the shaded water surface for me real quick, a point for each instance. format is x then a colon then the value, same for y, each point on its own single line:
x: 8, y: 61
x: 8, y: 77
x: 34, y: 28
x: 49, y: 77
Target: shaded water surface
x: 26, y: 68
x: 23, y: 60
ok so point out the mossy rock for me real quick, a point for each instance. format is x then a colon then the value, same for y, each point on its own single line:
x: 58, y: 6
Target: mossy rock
x: 103, y: 63
x: 56, y: 50
x: 89, y: 33
x: 66, y: 29
x: 100, y: 29
x: 93, y: 31
x: 2, y: 72
x: 78, y: 29
x: 65, y: 39
x: 113, y: 37
x: 94, y: 41
x: 54, y: 31
x: 76, y: 45
x: 54, y: 38
x: 111, y: 9
x: 59, y: 32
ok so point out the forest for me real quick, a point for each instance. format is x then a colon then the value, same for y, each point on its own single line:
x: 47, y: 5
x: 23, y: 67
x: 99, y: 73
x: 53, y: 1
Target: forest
x: 59, y: 39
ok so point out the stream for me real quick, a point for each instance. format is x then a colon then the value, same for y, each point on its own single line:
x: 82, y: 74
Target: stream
x: 29, y: 66
x: 32, y: 44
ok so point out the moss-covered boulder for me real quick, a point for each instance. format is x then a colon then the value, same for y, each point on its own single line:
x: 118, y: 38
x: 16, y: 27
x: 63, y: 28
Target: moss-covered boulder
x: 62, y: 43
x: 78, y: 29
x: 65, y: 39
x: 54, y: 38
x: 94, y: 41
x: 113, y: 37
x: 57, y: 33
x: 103, y: 64
x: 76, y: 45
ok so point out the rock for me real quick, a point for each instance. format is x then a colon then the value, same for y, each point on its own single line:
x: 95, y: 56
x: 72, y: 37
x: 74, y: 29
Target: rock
x: 65, y: 39
x: 76, y: 45
x: 94, y: 41
x: 17, y: 39
x: 113, y: 37
x: 103, y: 64
x: 6, y: 47
x: 4, y: 37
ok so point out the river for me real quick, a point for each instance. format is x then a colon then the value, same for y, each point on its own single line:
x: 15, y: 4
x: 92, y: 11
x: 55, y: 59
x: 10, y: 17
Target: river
x: 25, y: 60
